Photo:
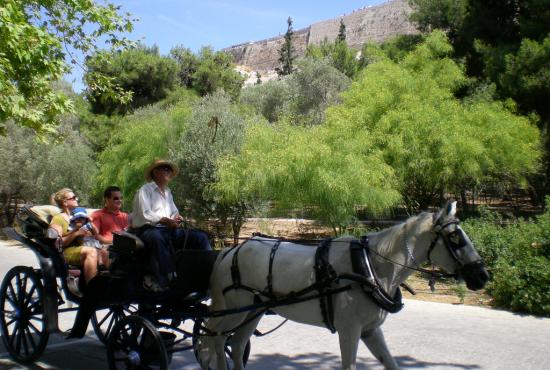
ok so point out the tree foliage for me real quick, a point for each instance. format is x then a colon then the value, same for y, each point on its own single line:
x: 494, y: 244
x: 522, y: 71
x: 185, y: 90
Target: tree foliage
x: 309, y: 167
x: 215, y: 130
x: 141, y: 70
x: 313, y: 87
x: 286, y: 52
x: 434, y: 142
x: 303, y: 96
x: 187, y: 64
x: 341, y: 32
x: 33, y: 169
x: 503, y: 42
x: 268, y: 99
x: 215, y: 71
x: 37, y: 41
x: 337, y: 54
x: 399, y: 133
x: 143, y: 136
x: 207, y: 71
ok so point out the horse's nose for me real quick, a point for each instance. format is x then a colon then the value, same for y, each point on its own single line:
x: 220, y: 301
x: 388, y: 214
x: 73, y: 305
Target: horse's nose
x: 478, y: 279
x: 475, y: 275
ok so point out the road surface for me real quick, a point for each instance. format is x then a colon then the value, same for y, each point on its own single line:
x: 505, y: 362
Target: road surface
x: 424, y: 335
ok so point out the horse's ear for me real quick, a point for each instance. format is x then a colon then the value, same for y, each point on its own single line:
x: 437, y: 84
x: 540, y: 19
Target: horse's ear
x: 449, y: 211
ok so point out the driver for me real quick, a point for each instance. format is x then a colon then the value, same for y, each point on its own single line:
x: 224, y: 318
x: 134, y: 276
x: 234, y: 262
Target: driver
x: 156, y: 220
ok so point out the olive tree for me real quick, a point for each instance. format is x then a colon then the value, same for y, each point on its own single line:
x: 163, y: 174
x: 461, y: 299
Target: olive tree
x: 303, y: 96
x: 33, y: 169
x: 215, y: 130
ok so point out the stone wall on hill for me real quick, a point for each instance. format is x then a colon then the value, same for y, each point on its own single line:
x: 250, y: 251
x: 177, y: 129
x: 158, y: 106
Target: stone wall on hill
x: 375, y: 23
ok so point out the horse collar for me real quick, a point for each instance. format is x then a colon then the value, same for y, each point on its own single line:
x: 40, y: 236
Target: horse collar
x: 362, y: 265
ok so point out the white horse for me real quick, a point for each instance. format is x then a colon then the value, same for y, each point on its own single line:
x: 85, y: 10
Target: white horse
x: 395, y: 252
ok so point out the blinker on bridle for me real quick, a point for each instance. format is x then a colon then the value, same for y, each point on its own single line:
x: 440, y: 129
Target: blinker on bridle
x: 451, y: 245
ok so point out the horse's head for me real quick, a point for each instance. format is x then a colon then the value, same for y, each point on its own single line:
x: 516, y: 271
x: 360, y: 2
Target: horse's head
x: 453, y: 250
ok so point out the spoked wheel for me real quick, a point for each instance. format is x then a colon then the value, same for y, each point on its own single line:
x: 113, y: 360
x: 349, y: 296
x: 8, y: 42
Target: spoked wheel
x: 23, y: 323
x: 134, y: 343
x: 198, y: 346
x: 103, y: 321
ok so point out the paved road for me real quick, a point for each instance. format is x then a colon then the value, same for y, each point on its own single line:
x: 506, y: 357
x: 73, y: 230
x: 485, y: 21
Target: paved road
x: 423, y: 335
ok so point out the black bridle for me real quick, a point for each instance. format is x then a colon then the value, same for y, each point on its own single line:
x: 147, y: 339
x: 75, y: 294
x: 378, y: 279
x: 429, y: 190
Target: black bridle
x: 453, y: 240
x: 451, y: 243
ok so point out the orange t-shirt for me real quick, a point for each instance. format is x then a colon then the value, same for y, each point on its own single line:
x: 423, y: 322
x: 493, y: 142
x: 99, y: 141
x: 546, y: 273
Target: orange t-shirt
x: 107, y: 222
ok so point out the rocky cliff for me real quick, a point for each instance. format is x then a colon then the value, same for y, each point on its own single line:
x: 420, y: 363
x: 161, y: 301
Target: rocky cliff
x: 373, y: 23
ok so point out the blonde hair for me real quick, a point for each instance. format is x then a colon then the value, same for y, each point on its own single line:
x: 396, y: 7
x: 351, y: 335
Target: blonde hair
x: 60, y: 196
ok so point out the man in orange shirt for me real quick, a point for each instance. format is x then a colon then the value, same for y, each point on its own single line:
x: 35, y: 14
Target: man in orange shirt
x: 110, y: 218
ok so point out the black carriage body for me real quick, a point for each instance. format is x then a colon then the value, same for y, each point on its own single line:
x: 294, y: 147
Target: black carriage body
x: 120, y: 287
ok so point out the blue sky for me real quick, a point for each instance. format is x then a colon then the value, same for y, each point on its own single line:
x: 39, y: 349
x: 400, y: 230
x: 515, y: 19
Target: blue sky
x: 222, y: 23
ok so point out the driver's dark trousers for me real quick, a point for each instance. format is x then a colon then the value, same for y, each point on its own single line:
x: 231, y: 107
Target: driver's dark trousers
x: 164, y: 242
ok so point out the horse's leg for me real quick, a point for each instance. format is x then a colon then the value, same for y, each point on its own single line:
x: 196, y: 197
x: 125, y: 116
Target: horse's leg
x: 374, y: 339
x: 216, y: 344
x: 239, y: 339
x: 349, y: 341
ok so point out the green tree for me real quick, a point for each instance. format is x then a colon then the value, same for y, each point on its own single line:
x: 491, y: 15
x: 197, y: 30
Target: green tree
x: 140, y: 70
x: 215, y: 130
x: 341, y: 32
x: 33, y: 169
x: 187, y: 62
x: 215, y: 70
x: 303, y: 96
x: 286, y: 53
x: 143, y: 136
x: 398, y: 47
x: 434, y: 142
x: 337, y: 54
x: 38, y: 41
x: 270, y: 99
x: 399, y: 133
x: 313, y: 87
x: 309, y: 167
x: 492, y: 36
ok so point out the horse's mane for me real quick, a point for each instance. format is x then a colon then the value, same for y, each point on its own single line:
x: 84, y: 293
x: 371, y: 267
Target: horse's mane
x: 387, y: 239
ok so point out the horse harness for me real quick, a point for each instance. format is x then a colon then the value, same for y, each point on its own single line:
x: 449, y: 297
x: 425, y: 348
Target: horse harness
x: 325, y: 276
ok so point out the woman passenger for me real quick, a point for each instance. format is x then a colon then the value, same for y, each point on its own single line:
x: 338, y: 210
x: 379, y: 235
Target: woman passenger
x: 74, y: 253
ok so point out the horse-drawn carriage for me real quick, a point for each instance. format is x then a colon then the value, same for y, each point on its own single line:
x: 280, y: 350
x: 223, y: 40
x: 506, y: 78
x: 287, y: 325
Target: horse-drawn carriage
x: 140, y: 329
x: 346, y: 285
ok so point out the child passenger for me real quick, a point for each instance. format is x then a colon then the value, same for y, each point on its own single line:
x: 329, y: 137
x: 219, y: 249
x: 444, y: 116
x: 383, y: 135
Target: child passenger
x: 81, y: 220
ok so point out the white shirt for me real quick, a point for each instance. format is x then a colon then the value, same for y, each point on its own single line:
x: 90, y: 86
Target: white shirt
x: 150, y: 205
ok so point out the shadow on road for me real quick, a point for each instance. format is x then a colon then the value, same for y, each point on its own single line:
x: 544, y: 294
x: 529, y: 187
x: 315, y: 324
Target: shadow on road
x: 325, y: 360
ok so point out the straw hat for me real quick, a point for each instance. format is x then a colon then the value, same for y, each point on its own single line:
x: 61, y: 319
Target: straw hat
x: 158, y: 163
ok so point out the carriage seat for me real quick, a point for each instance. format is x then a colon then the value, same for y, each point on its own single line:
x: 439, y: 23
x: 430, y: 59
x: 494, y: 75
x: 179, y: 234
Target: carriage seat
x: 35, y: 220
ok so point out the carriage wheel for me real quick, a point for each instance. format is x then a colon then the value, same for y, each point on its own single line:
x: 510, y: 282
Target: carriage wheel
x: 104, y: 322
x: 198, y: 345
x: 134, y: 343
x: 23, y: 323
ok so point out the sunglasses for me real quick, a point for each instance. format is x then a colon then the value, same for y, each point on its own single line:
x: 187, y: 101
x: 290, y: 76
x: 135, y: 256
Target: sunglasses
x: 74, y: 197
x: 116, y: 198
x: 164, y: 168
